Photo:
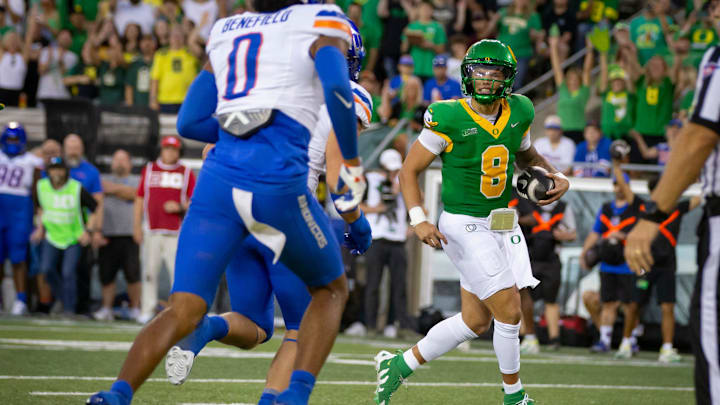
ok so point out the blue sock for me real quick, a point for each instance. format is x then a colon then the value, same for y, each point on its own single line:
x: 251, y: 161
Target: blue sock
x: 302, y: 383
x: 268, y: 397
x: 218, y: 328
x: 21, y: 296
x: 123, y: 388
x: 209, y: 329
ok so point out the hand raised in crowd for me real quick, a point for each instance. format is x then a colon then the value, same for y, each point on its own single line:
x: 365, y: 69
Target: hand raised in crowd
x: 430, y: 234
x: 553, y: 41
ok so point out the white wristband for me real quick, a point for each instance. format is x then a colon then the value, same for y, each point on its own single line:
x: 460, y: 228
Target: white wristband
x: 561, y: 175
x: 417, y: 215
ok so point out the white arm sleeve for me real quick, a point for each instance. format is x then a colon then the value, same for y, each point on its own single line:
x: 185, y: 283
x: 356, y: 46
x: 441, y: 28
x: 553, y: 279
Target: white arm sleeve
x: 525, y: 144
x: 432, y: 141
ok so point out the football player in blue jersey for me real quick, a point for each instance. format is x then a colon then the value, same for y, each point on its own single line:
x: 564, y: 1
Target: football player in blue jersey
x: 271, y: 69
x: 19, y: 171
x: 251, y: 289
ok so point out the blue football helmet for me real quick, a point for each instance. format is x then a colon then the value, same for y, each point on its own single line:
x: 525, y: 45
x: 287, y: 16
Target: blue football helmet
x: 13, y: 139
x: 356, y: 52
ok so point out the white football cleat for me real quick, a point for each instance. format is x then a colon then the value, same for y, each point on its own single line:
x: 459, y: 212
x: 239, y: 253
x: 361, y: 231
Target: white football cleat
x: 624, y: 352
x: 356, y: 329
x: 530, y: 346
x: 103, y: 314
x: 390, y: 332
x: 669, y: 356
x: 144, y: 318
x: 19, y: 308
x: 178, y: 364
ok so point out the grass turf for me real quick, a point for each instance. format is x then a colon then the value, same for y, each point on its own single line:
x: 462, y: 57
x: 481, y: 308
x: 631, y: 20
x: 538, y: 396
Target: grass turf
x: 83, y: 357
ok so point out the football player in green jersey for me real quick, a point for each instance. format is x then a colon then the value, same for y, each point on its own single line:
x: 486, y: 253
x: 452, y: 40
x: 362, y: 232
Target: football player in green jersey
x: 479, y: 139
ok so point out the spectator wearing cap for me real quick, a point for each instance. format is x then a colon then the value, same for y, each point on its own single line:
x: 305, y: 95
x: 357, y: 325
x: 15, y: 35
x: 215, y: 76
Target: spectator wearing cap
x: 573, y: 87
x: 559, y: 150
x: 593, y: 154
x: 163, y: 197
x: 118, y: 249
x: 64, y: 230
x: 173, y: 70
x: 384, y: 208
x: 89, y: 176
x: 402, y: 94
x: 440, y: 86
x: 618, y: 100
x: 423, y: 39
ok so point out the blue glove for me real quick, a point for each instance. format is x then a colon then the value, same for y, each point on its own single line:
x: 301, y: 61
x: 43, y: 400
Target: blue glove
x: 359, y: 238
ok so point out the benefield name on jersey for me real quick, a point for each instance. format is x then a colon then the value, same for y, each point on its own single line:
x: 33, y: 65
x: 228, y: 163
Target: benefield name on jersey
x: 252, y: 21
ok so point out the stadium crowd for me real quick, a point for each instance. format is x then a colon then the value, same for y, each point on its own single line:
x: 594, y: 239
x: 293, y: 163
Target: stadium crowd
x: 146, y: 54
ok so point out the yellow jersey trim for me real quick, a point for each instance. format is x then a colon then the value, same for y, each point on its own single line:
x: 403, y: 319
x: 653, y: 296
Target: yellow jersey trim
x: 448, y: 148
x: 493, y: 130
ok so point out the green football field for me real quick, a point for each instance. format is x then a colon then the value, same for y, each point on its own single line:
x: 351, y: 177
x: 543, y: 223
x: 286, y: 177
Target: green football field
x: 61, y: 362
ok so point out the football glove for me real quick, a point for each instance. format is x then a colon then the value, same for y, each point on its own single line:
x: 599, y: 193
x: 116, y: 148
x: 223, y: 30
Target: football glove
x: 352, y: 177
x: 359, y: 237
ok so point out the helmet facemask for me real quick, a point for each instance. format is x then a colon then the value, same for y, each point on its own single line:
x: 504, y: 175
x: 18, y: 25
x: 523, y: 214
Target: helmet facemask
x: 487, y: 82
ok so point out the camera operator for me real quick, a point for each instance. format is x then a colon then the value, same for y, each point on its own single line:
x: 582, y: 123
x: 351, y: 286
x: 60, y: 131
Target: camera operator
x: 617, y: 283
x: 546, y: 228
x: 385, y: 211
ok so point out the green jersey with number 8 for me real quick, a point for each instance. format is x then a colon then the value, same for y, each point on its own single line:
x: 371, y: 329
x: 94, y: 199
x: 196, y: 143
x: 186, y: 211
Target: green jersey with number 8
x: 478, y: 155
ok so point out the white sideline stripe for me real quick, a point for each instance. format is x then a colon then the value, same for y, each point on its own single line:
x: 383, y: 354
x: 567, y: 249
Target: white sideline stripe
x: 363, y: 383
x: 85, y: 394
x: 108, y: 331
x: 336, y: 358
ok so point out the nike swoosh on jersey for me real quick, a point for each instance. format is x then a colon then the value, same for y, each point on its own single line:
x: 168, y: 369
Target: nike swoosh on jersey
x: 514, y: 125
x: 347, y: 104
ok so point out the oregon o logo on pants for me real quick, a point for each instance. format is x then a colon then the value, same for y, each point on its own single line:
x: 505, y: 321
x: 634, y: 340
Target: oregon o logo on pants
x: 515, y: 239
